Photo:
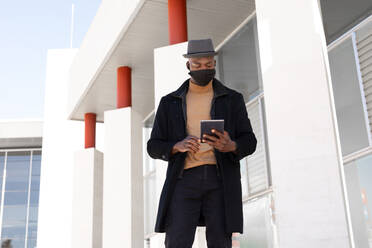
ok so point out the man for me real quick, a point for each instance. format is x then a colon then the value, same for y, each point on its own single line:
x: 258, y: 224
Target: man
x: 202, y: 185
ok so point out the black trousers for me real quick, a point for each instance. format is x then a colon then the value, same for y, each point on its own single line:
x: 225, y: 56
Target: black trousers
x: 198, y: 192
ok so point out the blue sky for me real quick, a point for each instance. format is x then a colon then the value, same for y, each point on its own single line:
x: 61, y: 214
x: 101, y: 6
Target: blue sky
x: 29, y: 29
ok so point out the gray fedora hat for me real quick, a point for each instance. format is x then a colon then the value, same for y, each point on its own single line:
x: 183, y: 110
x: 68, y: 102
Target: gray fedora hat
x: 200, y: 48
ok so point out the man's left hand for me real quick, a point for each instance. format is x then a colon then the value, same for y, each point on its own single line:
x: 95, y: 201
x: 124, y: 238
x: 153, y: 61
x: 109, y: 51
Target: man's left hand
x: 223, y: 143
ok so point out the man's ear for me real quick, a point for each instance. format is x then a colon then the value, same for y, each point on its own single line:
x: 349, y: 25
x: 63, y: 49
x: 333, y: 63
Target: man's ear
x: 188, y: 65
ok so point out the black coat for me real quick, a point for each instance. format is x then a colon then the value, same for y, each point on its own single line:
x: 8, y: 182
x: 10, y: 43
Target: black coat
x: 170, y: 127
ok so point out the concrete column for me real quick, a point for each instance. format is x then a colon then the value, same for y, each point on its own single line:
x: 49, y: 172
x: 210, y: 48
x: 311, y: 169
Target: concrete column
x: 87, y: 199
x: 90, y: 129
x: 303, y: 140
x: 123, y: 192
x: 169, y: 76
x: 177, y: 21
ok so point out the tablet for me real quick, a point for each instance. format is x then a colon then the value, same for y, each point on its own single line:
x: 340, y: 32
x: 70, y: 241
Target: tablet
x: 206, y: 127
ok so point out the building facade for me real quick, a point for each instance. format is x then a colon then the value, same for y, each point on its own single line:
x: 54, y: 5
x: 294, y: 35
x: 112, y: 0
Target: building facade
x: 305, y: 71
x: 20, y: 164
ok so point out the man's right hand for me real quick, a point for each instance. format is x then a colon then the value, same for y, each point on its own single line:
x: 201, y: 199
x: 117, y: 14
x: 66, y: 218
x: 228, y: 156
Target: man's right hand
x: 191, y: 143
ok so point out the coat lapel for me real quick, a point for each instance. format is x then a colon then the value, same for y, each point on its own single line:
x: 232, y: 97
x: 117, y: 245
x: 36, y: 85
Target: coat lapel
x: 218, y: 90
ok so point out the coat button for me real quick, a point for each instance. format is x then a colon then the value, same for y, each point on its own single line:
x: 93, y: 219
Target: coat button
x: 163, y: 156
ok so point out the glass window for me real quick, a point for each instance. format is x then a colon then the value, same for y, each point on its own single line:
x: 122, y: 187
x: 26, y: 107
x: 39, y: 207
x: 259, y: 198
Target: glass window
x: 258, y: 174
x: 2, y: 164
x: 359, y: 187
x: 20, y: 210
x: 34, y: 199
x: 148, y: 162
x: 350, y: 64
x: 237, y: 62
x: 257, y: 229
x: 32, y: 225
x: 149, y: 180
x: 150, y: 203
x: 15, y: 197
x: 363, y: 44
x: 238, y: 68
x: 17, y: 171
x: 351, y: 117
x: 31, y: 243
x: 244, y: 177
x: 36, y: 163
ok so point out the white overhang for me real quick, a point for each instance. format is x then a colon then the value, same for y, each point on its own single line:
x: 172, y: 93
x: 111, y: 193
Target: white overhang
x: 126, y: 32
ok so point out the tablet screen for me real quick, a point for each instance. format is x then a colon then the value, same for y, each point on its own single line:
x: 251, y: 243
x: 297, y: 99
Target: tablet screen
x: 206, y: 127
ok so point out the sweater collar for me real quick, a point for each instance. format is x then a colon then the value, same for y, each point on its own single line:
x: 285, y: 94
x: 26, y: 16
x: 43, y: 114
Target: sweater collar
x: 194, y: 88
x: 218, y: 88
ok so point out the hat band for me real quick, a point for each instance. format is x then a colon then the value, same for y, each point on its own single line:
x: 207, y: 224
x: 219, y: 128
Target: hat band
x: 202, y: 52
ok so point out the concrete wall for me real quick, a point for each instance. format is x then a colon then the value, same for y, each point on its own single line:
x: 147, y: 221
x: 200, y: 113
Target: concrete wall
x: 61, y: 138
x: 21, y: 128
x: 303, y: 139
x: 123, y: 190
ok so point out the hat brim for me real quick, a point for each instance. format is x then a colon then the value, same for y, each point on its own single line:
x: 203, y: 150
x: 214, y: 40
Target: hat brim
x: 199, y: 54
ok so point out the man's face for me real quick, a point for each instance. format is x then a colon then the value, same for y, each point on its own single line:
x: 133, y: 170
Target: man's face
x: 201, y: 63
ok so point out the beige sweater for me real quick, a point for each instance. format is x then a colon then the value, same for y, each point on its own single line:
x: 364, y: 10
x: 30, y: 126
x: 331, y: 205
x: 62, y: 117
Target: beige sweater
x: 198, y: 101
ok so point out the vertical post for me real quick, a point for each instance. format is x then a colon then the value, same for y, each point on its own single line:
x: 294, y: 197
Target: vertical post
x: 177, y: 21
x: 87, y: 199
x: 90, y: 129
x: 307, y: 171
x: 123, y: 210
x: 124, y: 87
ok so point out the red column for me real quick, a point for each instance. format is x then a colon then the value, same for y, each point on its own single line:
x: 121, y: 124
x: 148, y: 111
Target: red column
x: 177, y: 21
x: 124, y: 87
x: 90, y: 130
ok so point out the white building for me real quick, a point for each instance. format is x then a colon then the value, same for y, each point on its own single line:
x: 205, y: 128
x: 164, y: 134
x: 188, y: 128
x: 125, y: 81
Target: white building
x: 305, y: 70
x: 20, y: 163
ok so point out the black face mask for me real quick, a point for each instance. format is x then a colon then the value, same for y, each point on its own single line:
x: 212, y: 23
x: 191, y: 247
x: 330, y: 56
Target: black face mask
x: 202, y: 77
